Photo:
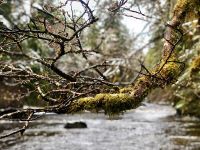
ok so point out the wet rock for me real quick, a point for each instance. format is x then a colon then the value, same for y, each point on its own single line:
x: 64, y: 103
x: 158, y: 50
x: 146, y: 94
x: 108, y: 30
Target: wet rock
x: 75, y: 125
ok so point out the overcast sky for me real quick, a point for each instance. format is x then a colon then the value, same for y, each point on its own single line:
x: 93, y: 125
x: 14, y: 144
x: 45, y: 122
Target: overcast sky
x: 134, y: 25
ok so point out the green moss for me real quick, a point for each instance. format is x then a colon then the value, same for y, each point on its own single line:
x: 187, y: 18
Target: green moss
x: 131, y: 97
x: 170, y: 70
x: 117, y: 103
x: 126, y: 90
x: 110, y: 103
x: 142, y: 81
x: 184, y: 7
x: 195, y: 67
x: 127, y: 98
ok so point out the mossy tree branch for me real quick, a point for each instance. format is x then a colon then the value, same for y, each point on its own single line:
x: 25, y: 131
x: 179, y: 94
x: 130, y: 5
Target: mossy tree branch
x: 161, y: 75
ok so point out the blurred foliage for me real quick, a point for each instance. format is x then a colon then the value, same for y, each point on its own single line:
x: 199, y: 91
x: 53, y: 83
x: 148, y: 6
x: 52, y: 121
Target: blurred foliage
x: 187, y: 88
x: 185, y: 93
x: 12, y: 13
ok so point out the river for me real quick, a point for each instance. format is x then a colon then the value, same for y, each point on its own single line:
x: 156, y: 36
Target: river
x: 150, y: 127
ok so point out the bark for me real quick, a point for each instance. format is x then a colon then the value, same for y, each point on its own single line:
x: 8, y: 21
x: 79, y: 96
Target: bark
x: 165, y: 73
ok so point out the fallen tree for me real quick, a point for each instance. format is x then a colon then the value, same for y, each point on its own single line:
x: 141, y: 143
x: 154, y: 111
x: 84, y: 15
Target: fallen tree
x: 165, y: 73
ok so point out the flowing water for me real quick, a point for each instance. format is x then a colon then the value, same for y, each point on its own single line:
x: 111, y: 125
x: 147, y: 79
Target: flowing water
x: 150, y: 127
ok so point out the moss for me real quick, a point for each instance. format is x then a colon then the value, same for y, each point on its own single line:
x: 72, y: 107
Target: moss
x: 126, y: 90
x: 127, y: 98
x: 170, y: 70
x: 110, y: 103
x: 195, y: 67
x: 186, y: 7
x: 181, y: 4
x: 80, y: 105
x: 131, y: 97
x: 144, y: 80
x: 117, y: 103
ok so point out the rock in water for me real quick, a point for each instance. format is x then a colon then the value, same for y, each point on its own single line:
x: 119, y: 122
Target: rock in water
x: 75, y: 125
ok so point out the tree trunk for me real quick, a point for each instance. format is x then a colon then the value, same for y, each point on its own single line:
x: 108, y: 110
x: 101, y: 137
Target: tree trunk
x: 165, y: 73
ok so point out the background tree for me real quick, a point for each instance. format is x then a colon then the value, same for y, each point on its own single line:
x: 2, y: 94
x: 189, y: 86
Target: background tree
x: 183, y: 94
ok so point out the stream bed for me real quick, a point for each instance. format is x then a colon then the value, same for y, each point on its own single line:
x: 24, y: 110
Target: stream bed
x: 150, y: 127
